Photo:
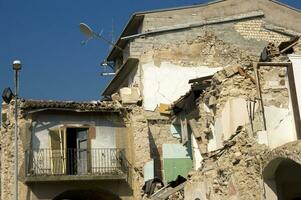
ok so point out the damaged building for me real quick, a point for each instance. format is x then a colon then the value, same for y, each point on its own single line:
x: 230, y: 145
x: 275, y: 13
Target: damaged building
x: 69, y: 150
x: 207, y: 95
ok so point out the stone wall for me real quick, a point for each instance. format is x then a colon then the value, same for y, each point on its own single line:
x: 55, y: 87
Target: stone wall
x: 237, y: 170
x: 7, y: 154
x: 228, y: 45
x: 225, y: 44
x: 150, y: 130
x: 274, y: 12
x: 38, y: 190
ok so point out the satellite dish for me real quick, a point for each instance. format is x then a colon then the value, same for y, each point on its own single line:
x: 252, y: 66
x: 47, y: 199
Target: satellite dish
x: 86, y: 30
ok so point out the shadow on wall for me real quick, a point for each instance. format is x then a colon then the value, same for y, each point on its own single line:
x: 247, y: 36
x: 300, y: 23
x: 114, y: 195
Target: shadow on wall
x: 155, y: 155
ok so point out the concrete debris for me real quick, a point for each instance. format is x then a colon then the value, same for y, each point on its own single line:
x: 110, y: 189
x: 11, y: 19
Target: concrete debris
x: 116, y: 97
x: 235, y: 173
x: 212, y: 101
x: 129, y: 95
x: 164, y: 108
x: 230, y: 71
x: 172, y: 190
x: 243, y: 73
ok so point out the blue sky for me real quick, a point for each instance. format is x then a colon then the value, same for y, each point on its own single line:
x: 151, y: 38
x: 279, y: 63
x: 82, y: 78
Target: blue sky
x: 45, y: 36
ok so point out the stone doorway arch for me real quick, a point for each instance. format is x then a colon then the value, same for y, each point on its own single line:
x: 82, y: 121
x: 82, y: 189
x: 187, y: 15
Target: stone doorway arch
x: 79, y: 194
x: 282, y: 180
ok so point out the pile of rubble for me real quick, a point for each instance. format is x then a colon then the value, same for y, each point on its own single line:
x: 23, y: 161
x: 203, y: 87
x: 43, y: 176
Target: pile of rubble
x: 233, y: 170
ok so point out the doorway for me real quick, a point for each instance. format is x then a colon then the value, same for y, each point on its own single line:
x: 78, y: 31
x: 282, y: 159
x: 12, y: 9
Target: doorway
x: 77, y: 151
x: 282, y: 179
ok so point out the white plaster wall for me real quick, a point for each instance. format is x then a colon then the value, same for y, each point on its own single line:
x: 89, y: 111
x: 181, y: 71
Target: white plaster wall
x: 166, y: 83
x: 148, y: 170
x: 280, y: 126
x: 105, y: 131
x: 233, y: 115
x: 197, y: 157
x: 212, y: 140
x: 40, y: 137
x: 296, y: 60
x: 280, y: 121
x: 105, y: 136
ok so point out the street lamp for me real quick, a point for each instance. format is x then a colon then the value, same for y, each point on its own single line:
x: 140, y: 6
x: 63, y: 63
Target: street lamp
x: 16, y: 68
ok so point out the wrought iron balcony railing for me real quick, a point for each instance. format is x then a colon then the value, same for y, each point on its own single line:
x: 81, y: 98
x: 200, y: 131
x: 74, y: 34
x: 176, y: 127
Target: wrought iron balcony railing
x: 96, y: 162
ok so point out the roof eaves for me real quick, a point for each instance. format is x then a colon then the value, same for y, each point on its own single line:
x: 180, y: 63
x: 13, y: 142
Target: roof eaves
x: 120, y: 76
x: 29, y: 106
x: 135, y: 16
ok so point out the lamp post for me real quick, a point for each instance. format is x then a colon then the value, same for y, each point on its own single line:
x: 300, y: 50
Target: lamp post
x: 16, y: 68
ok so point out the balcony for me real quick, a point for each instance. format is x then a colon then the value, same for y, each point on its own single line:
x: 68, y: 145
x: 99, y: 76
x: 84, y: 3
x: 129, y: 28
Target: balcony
x: 44, y: 165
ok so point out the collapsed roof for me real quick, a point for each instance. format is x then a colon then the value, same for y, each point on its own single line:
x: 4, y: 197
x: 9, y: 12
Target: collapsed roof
x: 31, y: 106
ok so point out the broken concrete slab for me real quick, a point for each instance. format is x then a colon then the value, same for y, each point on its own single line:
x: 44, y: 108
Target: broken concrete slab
x: 164, y: 108
x: 129, y: 95
x: 197, y: 190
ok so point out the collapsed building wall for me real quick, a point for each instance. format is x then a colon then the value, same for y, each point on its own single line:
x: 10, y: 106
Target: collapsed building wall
x: 160, y: 78
x: 244, y: 169
x: 185, y: 54
x: 149, y: 131
x: 241, y: 136
x: 234, y: 172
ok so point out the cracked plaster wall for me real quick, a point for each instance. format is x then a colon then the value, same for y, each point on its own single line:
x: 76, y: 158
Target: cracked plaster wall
x: 214, y: 46
x: 167, y: 82
x: 235, y: 170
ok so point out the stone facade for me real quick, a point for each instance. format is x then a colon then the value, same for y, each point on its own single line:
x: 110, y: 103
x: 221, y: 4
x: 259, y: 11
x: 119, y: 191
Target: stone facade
x: 7, y: 153
x: 36, y: 188
x: 150, y: 131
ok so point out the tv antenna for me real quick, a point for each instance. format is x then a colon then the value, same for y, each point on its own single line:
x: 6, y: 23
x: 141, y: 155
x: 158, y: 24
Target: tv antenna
x: 90, y: 34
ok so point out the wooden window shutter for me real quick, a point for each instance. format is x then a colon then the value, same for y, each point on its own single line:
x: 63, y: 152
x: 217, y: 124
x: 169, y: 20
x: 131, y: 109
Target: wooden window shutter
x: 57, y: 154
x: 91, y: 153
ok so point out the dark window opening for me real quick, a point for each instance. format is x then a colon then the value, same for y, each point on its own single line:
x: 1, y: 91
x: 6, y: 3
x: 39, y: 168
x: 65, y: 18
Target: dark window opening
x: 76, y: 153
